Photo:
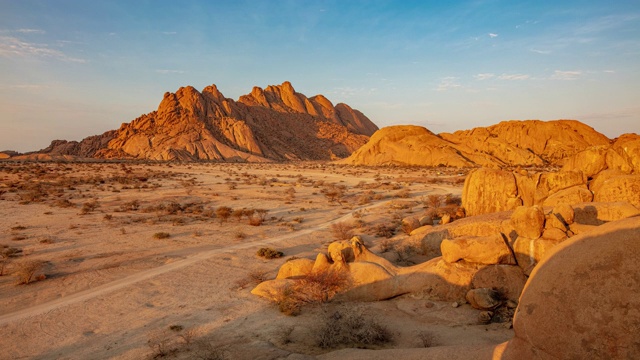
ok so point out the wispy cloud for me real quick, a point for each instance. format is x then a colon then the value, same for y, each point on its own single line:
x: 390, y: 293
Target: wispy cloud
x: 610, y: 71
x: 566, y: 75
x: 28, y: 87
x: 544, y: 52
x: 514, y: 77
x: 449, y: 83
x: 13, y: 47
x: 31, y: 31
x: 169, y: 71
x: 493, y: 35
x: 169, y: 32
x: 483, y: 76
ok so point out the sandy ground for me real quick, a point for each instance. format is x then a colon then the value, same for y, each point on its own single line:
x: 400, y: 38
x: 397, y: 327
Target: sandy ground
x: 114, y: 291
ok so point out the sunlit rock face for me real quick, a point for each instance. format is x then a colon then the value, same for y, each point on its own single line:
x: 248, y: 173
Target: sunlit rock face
x: 274, y: 124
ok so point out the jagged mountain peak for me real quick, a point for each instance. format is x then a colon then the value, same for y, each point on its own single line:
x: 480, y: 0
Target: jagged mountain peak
x: 274, y: 124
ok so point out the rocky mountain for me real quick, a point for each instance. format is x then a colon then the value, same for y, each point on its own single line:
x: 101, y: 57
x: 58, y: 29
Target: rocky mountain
x: 509, y: 143
x: 272, y: 124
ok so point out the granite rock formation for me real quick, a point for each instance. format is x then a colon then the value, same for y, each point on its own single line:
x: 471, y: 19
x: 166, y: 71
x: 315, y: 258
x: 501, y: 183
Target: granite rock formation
x: 274, y: 124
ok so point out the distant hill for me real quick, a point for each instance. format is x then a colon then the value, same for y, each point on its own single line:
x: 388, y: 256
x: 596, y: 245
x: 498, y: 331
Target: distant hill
x: 272, y: 124
x: 509, y: 143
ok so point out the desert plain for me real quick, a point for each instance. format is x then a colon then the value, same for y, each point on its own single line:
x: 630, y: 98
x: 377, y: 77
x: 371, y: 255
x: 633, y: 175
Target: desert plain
x: 135, y: 260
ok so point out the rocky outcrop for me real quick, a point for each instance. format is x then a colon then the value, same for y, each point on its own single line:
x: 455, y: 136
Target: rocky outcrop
x: 623, y: 156
x: 274, y: 124
x: 407, y: 145
x: 489, y: 190
x: 87, y: 148
x: 530, y: 142
x: 509, y: 143
x: 579, y: 303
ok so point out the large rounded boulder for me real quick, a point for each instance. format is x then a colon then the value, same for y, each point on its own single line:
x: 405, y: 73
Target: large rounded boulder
x: 582, y: 301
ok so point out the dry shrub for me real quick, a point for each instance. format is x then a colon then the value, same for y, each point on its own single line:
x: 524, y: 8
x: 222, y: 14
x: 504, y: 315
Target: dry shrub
x: 26, y: 270
x: 334, y: 194
x: 262, y: 214
x: 88, y: 207
x: 451, y: 199
x: 63, y: 203
x: 351, y: 328
x: 385, y: 231
x: 161, y: 235
x: 255, y: 221
x: 427, y: 339
x: 386, y: 245
x: 223, y: 213
x: 133, y: 205
x: 208, y: 351
x: 315, y: 288
x: 433, y: 201
x: 403, y: 194
x: 342, y: 230
x: 237, y: 214
x: 162, y: 343
x: 269, y: 253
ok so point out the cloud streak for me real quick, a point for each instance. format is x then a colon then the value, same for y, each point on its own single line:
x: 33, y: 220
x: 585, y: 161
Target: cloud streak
x: 169, y: 71
x: 483, y: 76
x: 13, y: 47
x: 31, y: 31
x: 512, y: 77
x: 448, y: 83
x: 566, y: 75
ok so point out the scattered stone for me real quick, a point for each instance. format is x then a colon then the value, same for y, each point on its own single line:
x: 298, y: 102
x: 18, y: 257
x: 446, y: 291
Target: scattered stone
x: 485, y: 317
x: 455, y: 304
x: 426, y: 220
x: 446, y: 218
x: 483, y: 298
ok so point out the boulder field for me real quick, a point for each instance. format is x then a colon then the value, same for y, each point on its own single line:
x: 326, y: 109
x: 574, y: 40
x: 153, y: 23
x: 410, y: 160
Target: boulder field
x: 580, y: 302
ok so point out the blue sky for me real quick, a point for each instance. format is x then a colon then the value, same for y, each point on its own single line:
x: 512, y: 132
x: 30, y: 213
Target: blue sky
x: 70, y: 69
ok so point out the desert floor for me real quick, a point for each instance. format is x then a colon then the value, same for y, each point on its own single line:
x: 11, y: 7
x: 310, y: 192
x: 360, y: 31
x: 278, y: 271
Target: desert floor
x: 109, y: 288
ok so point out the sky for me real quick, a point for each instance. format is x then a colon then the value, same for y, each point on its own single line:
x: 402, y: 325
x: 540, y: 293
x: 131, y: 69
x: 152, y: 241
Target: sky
x: 71, y: 69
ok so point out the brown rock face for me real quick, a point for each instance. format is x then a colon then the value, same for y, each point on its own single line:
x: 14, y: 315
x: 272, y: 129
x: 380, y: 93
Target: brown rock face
x: 580, y: 301
x: 488, y: 190
x: 622, y: 156
x: 276, y: 123
x: 475, y: 249
x: 528, y: 221
x: 620, y: 188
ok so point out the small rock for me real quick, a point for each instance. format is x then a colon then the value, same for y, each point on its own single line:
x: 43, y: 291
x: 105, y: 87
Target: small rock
x: 426, y: 220
x: 429, y: 305
x: 483, y: 298
x: 455, y: 304
x: 508, y: 325
x: 485, y: 317
x: 446, y: 218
